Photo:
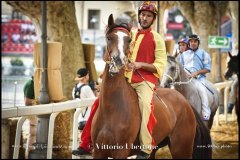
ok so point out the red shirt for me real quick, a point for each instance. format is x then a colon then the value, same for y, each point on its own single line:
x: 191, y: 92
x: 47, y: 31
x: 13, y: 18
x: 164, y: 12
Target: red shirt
x: 147, y: 46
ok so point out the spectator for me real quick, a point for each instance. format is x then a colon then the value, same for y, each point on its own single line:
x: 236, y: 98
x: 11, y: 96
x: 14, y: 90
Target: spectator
x: 80, y: 91
x: 29, y: 101
x: 4, y: 37
x: 26, y: 38
x: 16, y: 38
x: 33, y: 38
x: 85, y: 145
x: 24, y: 27
x: 31, y: 28
x: 95, y: 87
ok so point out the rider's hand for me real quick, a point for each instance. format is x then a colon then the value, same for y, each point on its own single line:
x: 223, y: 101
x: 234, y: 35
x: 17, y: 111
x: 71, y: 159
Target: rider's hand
x: 137, y: 65
x: 194, y: 74
x: 133, y: 66
x: 130, y: 67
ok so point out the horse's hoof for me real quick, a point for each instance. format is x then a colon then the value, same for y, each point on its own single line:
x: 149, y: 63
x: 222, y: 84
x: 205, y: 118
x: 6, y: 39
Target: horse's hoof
x: 142, y: 155
x: 80, y: 152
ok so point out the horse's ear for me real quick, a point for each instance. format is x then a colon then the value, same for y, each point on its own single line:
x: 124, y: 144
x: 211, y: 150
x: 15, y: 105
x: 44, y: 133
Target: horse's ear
x: 130, y: 24
x: 175, y: 54
x: 110, y: 20
x: 230, y: 55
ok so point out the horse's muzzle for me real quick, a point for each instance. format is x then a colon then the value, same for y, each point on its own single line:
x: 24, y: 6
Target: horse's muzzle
x: 228, y: 74
x: 115, y: 65
x: 113, y: 70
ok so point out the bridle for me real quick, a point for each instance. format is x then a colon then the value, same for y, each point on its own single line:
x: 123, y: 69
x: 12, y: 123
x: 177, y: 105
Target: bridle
x: 110, y: 60
x: 176, y: 76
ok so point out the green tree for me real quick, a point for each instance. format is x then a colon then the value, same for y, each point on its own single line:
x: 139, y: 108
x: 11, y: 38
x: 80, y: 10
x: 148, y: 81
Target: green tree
x: 17, y: 66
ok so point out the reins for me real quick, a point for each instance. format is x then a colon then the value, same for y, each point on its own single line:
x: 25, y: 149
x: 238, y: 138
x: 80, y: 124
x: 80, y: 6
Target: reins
x: 149, y: 86
x: 177, y: 75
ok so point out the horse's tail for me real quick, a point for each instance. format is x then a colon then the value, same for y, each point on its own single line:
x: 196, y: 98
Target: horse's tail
x: 202, y: 148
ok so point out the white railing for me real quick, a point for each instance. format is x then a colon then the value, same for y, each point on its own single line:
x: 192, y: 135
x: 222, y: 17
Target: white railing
x: 226, y: 85
x: 53, y: 109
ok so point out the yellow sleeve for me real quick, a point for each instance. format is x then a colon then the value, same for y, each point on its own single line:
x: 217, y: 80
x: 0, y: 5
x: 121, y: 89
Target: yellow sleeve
x: 160, y: 55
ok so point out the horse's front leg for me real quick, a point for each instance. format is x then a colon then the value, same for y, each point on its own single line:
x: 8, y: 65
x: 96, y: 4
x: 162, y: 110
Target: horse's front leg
x: 121, y: 153
x: 99, y: 154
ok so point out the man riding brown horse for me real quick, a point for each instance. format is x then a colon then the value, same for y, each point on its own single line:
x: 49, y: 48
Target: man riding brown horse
x: 148, y: 56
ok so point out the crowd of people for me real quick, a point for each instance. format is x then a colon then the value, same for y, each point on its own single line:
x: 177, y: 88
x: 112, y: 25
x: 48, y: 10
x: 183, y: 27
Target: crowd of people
x: 18, y: 36
x: 24, y: 38
x: 23, y: 32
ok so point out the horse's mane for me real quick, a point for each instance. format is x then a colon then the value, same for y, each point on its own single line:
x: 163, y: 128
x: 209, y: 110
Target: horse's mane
x: 123, y: 25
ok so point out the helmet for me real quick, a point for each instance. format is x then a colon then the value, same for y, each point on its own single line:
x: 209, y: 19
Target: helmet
x: 183, y: 40
x: 194, y: 36
x: 148, y: 6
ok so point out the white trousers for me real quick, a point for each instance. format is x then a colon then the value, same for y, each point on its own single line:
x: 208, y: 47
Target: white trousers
x: 206, y: 111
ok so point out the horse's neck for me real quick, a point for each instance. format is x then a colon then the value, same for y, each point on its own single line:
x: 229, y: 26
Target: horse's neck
x: 117, y: 95
x: 114, y: 81
x: 114, y: 85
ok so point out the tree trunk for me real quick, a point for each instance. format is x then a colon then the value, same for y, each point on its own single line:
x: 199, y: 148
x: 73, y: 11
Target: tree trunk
x: 61, y: 27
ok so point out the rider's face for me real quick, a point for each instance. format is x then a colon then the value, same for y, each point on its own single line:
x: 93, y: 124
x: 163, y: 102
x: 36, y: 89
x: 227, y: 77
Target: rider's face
x: 146, y: 19
x: 193, y: 43
x: 182, y: 47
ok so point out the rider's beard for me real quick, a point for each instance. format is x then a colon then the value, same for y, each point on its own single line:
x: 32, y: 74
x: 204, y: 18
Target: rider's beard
x: 146, y: 27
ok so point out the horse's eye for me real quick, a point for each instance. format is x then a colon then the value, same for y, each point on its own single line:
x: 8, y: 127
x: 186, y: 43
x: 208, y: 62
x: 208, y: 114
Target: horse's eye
x: 172, y: 68
x: 108, y: 38
x: 128, y: 40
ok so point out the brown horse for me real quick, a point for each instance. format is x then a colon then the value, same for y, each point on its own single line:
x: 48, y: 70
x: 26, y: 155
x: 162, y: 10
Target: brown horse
x: 233, y: 68
x: 116, y: 125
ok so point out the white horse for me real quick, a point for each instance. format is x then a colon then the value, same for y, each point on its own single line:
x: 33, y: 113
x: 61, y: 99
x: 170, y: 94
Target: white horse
x: 175, y: 76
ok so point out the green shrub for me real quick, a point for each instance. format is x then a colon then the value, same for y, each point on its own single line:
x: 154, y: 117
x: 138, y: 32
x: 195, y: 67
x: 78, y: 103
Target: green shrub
x: 17, y: 67
x: 16, y: 62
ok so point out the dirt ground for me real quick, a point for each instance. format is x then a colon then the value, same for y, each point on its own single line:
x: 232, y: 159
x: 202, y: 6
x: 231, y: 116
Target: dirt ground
x: 225, y: 138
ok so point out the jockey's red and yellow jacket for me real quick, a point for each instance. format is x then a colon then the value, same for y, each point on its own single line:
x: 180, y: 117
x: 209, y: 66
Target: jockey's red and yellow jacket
x: 147, y: 46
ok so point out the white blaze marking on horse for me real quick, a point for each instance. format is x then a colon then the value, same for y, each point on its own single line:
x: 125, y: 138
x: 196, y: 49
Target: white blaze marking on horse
x: 121, y: 36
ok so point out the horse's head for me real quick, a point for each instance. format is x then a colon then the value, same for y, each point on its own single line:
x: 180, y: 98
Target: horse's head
x: 171, y: 72
x: 118, y: 40
x: 232, y: 66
